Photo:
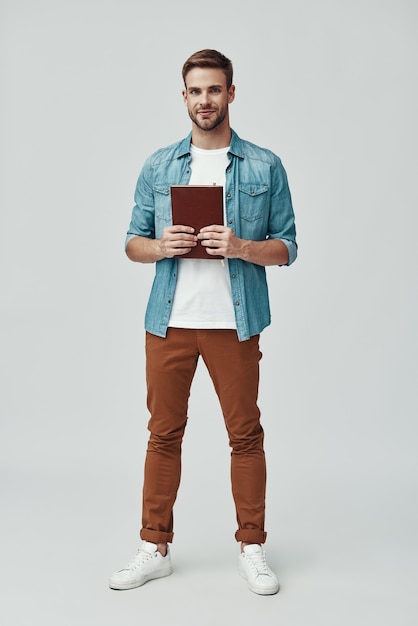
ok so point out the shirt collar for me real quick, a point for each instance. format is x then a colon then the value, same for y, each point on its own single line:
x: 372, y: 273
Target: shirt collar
x: 236, y: 147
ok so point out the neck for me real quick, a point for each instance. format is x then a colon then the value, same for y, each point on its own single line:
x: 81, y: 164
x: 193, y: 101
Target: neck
x: 219, y: 137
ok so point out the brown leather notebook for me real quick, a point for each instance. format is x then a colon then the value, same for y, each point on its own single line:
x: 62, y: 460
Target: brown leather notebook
x: 197, y: 206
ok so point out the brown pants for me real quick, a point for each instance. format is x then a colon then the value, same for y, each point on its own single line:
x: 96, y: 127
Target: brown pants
x: 234, y: 369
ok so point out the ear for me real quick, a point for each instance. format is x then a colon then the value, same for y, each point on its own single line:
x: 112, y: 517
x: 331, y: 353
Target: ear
x: 231, y: 94
x: 184, y: 94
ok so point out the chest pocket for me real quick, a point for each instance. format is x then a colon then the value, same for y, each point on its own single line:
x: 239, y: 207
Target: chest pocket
x: 253, y: 201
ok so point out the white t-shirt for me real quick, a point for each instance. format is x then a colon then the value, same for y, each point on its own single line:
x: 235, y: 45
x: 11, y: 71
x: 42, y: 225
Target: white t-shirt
x: 203, y: 297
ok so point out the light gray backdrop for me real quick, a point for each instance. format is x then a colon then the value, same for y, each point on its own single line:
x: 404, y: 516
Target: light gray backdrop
x: 89, y: 89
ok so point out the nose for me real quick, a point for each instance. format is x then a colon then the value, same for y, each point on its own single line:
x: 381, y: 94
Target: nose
x: 204, y: 100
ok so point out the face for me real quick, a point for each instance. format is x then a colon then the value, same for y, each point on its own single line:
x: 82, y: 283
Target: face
x: 207, y: 97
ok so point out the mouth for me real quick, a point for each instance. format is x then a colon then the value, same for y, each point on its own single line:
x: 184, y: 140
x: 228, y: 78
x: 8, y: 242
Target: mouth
x: 206, y: 112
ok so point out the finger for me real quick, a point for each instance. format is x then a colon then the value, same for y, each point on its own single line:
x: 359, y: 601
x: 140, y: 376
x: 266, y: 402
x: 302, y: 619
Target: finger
x: 183, y: 243
x: 211, y: 243
x: 215, y: 251
x: 209, y: 235
x: 180, y: 228
x: 216, y: 228
x: 180, y: 251
x: 175, y: 238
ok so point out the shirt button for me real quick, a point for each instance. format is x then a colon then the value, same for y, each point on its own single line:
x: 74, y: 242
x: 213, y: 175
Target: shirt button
x: 237, y: 303
x: 233, y: 276
x: 229, y: 221
x: 229, y: 195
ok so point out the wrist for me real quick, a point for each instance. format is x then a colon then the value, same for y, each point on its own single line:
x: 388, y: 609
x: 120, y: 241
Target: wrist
x: 159, y: 250
x: 244, y: 249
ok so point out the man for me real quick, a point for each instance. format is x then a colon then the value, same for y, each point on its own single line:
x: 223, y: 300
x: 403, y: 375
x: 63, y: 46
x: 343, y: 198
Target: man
x: 211, y: 308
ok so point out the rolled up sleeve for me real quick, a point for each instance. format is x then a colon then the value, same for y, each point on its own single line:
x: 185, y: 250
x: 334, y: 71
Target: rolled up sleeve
x: 143, y: 220
x: 282, y: 218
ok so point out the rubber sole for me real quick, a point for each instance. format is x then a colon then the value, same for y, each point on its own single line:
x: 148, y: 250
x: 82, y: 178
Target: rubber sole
x: 134, y: 585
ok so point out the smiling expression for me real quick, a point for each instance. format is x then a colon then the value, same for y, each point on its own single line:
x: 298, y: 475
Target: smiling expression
x: 207, y: 97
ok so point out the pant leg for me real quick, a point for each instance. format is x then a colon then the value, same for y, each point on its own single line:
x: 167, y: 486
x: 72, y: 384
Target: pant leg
x: 234, y: 369
x: 170, y: 366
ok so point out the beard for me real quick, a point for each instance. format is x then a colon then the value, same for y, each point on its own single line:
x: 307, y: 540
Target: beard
x: 208, y: 123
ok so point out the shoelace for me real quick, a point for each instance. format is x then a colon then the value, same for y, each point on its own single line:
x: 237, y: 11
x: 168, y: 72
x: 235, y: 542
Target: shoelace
x: 140, y: 557
x: 258, y: 562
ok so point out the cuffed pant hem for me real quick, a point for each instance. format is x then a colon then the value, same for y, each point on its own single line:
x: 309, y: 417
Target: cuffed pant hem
x: 251, y: 536
x: 156, y: 536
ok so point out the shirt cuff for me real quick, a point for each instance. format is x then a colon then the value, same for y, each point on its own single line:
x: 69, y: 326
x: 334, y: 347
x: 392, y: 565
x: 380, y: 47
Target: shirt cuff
x: 128, y: 239
x: 292, y: 250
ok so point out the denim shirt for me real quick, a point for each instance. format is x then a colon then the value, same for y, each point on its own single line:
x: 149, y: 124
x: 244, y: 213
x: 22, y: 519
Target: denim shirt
x: 258, y: 206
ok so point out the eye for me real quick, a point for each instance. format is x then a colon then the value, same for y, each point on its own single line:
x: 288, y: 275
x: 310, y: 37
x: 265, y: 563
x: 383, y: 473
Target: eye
x: 215, y: 90
x: 194, y: 92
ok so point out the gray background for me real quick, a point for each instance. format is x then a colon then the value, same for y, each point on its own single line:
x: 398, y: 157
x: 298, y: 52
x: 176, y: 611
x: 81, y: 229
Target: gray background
x: 89, y: 89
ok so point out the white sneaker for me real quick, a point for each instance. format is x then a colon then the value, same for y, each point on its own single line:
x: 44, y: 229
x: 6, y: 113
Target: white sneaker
x: 253, y: 567
x: 146, y: 565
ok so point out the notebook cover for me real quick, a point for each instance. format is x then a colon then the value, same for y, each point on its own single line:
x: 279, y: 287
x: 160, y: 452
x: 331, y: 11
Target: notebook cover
x: 197, y: 206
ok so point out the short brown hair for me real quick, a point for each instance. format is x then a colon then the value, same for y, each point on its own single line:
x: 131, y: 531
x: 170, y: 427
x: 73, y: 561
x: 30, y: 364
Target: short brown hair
x: 209, y: 58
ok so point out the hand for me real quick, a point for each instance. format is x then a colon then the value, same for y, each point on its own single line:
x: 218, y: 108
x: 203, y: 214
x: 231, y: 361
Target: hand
x: 177, y: 240
x: 220, y: 240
